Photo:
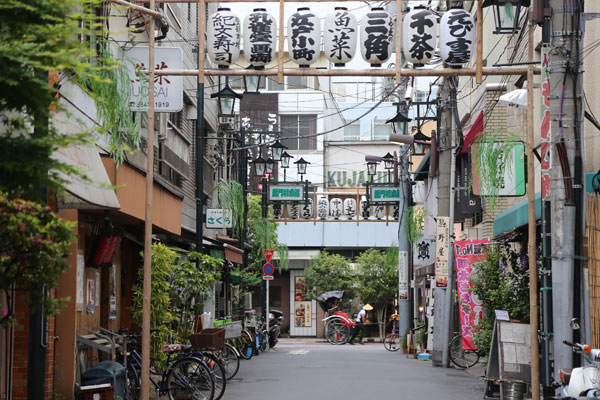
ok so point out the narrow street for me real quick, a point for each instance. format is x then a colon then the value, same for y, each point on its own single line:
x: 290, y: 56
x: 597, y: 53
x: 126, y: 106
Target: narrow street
x: 298, y: 369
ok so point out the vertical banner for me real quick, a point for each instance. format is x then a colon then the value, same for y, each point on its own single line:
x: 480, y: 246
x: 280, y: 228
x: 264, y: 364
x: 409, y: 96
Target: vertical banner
x: 546, y: 141
x: 466, y: 252
x: 403, y: 275
x: 80, y: 271
x: 302, y: 305
x: 442, y: 250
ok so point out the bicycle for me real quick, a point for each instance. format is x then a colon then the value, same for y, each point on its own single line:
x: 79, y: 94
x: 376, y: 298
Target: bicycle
x: 243, y: 345
x: 460, y: 357
x: 391, y: 342
x: 184, y: 377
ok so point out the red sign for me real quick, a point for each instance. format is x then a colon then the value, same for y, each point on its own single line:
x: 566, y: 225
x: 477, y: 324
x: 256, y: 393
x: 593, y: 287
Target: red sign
x: 268, y: 269
x: 267, y: 277
x: 268, y: 254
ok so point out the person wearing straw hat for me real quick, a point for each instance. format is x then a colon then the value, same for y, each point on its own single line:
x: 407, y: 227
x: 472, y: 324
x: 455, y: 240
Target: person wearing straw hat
x: 361, y: 319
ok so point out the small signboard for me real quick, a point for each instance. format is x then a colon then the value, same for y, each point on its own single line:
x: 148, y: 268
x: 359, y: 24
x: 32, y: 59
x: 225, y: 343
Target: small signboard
x: 268, y: 254
x: 267, y: 277
x: 286, y: 192
x: 217, y: 218
x: 384, y: 194
x: 502, y: 315
x: 268, y: 269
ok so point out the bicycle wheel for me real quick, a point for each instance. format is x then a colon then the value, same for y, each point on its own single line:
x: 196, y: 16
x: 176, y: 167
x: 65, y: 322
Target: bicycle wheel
x: 463, y: 359
x: 245, y: 345
x: 190, y: 378
x: 218, y: 371
x: 230, y: 360
x: 391, y: 342
x: 132, y: 383
x: 336, y: 332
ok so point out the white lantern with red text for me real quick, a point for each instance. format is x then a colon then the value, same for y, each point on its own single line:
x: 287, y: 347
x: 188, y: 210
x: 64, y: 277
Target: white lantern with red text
x: 376, y: 37
x: 339, y: 36
x: 304, y: 37
x: 223, y: 37
x: 457, y: 37
x: 260, y: 37
x: 419, y: 36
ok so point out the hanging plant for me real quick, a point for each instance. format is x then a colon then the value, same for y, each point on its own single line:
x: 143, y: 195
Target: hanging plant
x: 230, y: 196
x: 262, y: 234
x: 414, y: 220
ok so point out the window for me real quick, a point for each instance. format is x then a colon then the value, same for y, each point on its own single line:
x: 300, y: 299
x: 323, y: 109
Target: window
x: 381, y: 130
x: 273, y: 85
x: 292, y: 83
x: 295, y: 126
x: 352, y: 132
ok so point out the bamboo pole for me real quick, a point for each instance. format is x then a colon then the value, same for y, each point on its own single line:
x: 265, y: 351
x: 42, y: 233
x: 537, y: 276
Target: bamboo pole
x: 280, y: 52
x: 518, y: 70
x: 479, y: 61
x: 147, y: 285
x: 314, y: 205
x: 398, y: 41
x: 148, y: 11
x: 533, y: 271
x: 201, y: 43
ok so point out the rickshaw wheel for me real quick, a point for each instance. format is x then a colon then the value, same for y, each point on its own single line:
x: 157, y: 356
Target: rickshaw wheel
x: 337, y: 332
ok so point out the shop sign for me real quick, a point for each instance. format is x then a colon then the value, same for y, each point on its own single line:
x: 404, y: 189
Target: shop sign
x: 286, y: 193
x: 442, y: 248
x: 218, y: 218
x: 385, y: 194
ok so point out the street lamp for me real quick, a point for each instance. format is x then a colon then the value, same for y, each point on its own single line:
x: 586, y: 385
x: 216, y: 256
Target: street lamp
x: 285, y: 163
x: 269, y: 166
x: 260, y: 164
x: 252, y: 82
x: 419, y: 143
x: 301, y: 163
x: 388, y: 163
x: 226, y: 98
x: 507, y: 14
x: 372, y: 169
x: 401, y: 119
x: 276, y: 151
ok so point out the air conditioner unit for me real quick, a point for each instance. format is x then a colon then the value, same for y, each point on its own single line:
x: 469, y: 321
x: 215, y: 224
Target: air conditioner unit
x: 248, y: 301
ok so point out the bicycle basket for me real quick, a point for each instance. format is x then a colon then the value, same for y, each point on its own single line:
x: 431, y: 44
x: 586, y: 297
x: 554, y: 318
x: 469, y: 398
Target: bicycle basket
x: 208, y: 339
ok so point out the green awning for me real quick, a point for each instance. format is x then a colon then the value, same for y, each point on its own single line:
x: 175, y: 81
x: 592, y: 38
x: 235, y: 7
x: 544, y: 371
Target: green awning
x: 422, y: 170
x: 516, y: 216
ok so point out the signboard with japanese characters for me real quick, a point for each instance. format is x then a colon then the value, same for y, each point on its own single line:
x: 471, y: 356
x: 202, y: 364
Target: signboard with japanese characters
x: 223, y: 34
x: 168, y: 90
x: 424, y: 252
x: 376, y: 37
x: 419, y: 35
x: 286, y: 192
x: 218, y: 218
x: 339, y: 37
x: 403, y: 275
x: 260, y: 37
x: 457, y: 37
x: 384, y: 194
x: 304, y: 37
x: 442, y: 250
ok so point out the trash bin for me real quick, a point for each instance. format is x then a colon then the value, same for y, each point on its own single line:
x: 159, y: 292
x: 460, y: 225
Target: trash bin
x: 103, y: 373
x: 514, y: 390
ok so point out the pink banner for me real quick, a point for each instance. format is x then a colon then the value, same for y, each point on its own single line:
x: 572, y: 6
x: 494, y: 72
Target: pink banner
x: 471, y: 309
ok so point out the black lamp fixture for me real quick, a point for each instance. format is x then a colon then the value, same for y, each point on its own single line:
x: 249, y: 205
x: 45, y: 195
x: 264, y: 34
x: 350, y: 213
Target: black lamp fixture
x: 301, y: 163
x: 227, y: 97
x: 276, y: 151
x: 507, y: 14
x: 252, y: 82
x: 372, y: 168
x: 401, y: 119
x: 285, y: 160
x: 260, y: 164
x: 420, y: 140
x: 388, y: 161
x: 269, y: 166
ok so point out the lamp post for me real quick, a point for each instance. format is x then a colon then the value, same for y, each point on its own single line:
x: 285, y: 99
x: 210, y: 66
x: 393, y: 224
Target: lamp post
x: 301, y: 163
x: 252, y: 82
x: 507, y: 14
x: 419, y: 143
x: 285, y: 163
x: 277, y: 150
x: 400, y: 120
x: 226, y: 97
x: 388, y: 164
x: 372, y: 169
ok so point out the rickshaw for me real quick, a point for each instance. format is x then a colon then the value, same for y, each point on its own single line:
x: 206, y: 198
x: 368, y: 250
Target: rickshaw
x: 338, y: 326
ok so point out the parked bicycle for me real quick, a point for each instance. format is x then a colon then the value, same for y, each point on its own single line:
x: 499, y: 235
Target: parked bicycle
x: 462, y: 358
x: 391, y: 342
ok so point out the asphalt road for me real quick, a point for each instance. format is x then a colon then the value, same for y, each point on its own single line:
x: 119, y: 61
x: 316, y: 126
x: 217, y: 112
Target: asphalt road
x: 294, y: 371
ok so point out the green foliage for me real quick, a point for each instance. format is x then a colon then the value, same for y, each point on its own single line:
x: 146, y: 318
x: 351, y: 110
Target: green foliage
x: 502, y: 283
x: 262, y: 234
x: 230, y: 196
x: 414, y: 220
x: 378, y: 280
x: 34, y: 247
x: 329, y: 272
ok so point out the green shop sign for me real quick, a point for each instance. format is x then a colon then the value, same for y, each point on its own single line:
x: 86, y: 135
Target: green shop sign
x: 385, y: 194
x: 286, y: 193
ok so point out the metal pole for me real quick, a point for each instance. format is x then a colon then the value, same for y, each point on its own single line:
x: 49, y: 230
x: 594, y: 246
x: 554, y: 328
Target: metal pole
x: 403, y: 245
x: 147, y: 287
x: 200, y: 130
x: 244, y: 182
x: 265, y: 221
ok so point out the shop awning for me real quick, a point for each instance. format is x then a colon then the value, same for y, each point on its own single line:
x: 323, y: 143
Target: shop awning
x: 233, y: 254
x: 422, y: 170
x: 96, y: 194
x: 516, y: 216
x: 424, y: 270
x: 471, y: 134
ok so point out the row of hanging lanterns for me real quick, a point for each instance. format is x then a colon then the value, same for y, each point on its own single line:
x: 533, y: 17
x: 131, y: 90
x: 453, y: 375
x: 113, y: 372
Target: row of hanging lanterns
x: 335, y: 208
x: 340, y: 36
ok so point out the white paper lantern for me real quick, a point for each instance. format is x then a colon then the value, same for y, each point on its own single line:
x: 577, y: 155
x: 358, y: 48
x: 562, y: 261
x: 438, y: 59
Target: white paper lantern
x: 322, y: 208
x: 364, y: 210
x: 339, y: 37
x: 335, y: 207
x: 260, y: 37
x: 304, y: 37
x: 350, y: 208
x: 277, y: 210
x: 306, y: 209
x: 293, y: 211
x: 457, y: 37
x: 376, y: 37
x: 378, y: 211
x: 395, y: 211
x: 223, y: 37
x: 419, y: 36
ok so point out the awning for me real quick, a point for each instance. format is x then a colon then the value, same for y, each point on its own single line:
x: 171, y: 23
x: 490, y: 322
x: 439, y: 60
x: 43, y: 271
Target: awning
x: 516, y: 216
x: 422, y: 170
x: 96, y: 194
x: 233, y: 254
x: 471, y: 134
x: 424, y: 270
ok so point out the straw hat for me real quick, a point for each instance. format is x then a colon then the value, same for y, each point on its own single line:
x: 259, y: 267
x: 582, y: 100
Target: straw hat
x: 367, y: 307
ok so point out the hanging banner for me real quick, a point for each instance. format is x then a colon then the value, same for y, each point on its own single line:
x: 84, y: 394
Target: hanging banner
x: 546, y: 159
x: 442, y: 249
x: 466, y: 252
x: 403, y: 275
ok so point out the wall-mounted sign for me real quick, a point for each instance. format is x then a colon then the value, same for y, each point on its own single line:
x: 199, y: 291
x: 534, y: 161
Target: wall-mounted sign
x: 286, y: 192
x: 442, y: 250
x: 218, y: 218
x: 403, y: 275
x: 168, y: 90
x: 384, y: 194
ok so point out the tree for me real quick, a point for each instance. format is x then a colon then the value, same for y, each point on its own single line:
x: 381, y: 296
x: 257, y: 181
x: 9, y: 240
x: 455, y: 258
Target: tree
x: 262, y: 234
x: 378, y: 280
x: 330, y: 272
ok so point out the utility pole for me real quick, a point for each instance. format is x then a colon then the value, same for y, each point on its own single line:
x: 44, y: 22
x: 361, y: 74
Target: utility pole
x: 567, y: 207
x: 403, y: 243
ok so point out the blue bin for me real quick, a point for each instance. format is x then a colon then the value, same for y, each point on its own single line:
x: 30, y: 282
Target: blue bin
x: 103, y: 373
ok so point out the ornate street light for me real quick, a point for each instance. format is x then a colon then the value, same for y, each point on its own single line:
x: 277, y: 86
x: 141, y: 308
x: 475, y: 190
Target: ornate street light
x: 227, y: 97
x: 388, y: 161
x: 401, y: 119
x: 301, y: 163
x: 285, y: 160
x: 372, y: 169
x: 419, y: 143
x: 269, y: 166
x: 507, y: 14
x: 260, y: 164
x: 252, y: 82
x: 276, y: 151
